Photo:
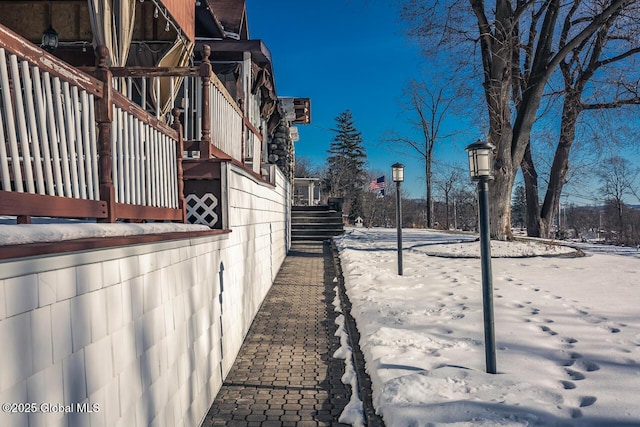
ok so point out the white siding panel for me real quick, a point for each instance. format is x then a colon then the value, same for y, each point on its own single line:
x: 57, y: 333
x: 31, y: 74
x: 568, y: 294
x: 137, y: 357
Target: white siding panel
x: 161, y: 326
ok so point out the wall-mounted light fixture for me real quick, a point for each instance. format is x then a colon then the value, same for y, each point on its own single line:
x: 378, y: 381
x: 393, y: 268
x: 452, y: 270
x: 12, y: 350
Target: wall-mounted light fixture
x: 50, y: 36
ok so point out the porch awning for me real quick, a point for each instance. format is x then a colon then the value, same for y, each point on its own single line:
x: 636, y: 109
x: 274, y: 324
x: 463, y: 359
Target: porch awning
x: 177, y: 56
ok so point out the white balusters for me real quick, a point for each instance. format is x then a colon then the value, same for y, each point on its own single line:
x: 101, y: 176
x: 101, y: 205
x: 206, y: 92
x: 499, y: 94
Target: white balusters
x: 49, y: 138
x: 144, y: 162
x: 32, y: 127
x: 44, y: 134
x: 47, y: 133
x: 226, y: 121
x: 53, y: 134
x: 25, y: 155
x: 10, y: 124
x: 4, y: 159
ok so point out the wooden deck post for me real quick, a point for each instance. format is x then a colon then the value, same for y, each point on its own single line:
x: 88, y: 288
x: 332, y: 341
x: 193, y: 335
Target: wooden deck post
x: 179, y: 153
x: 205, y: 75
x: 104, y: 117
x: 23, y: 219
x: 244, y: 129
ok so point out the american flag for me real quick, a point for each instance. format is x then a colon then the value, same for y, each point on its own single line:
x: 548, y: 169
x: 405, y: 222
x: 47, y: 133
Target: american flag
x: 377, y: 184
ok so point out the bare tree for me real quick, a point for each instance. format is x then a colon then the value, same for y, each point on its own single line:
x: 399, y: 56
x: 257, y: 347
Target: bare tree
x: 429, y: 108
x: 304, y: 168
x: 595, y: 56
x: 518, y: 56
x: 447, y: 184
x: 378, y: 207
x: 466, y: 208
x: 618, y: 179
x: 582, y: 219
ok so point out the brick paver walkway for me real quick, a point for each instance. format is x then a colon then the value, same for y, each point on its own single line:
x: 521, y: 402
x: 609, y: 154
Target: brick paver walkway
x: 285, y: 374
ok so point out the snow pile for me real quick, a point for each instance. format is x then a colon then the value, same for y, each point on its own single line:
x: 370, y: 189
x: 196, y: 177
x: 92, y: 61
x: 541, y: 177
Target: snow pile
x: 353, y: 413
x: 15, y: 234
x: 471, y: 249
x: 567, y: 332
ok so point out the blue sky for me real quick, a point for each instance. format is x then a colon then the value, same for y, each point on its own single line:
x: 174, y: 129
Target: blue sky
x: 353, y: 54
x: 346, y: 54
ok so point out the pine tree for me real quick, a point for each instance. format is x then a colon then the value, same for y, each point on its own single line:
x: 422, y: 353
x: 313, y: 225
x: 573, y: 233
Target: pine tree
x: 345, y: 165
x: 519, y: 207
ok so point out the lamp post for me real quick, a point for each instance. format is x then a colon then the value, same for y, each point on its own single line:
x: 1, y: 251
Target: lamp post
x: 397, y: 173
x: 481, y: 170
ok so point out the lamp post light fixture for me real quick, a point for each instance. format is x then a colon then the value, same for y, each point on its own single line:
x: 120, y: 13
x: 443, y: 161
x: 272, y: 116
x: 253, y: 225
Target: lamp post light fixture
x: 397, y: 174
x: 481, y: 171
x: 480, y: 160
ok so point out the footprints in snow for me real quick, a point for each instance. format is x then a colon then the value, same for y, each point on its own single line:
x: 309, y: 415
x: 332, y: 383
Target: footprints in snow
x: 568, y: 385
x: 602, y: 322
x: 574, y: 366
x: 582, y: 402
x: 587, y: 401
x: 451, y: 306
x: 588, y: 366
x: 574, y: 375
x: 571, y: 367
x: 548, y: 330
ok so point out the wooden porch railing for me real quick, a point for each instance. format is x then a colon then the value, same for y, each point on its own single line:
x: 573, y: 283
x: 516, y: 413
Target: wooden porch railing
x: 214, y: 125
x: 253, y: 147
x: 72, y: 147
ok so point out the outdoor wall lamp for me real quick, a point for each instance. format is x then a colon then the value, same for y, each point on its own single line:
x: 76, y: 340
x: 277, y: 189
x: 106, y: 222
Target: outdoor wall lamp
x: 50, y: 36
x: 481, y: 170
x: 49, y: 39
x: 397, y: 173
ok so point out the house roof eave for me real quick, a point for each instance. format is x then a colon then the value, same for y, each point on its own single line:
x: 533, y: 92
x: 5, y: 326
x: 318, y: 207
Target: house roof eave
x: 232, y: 50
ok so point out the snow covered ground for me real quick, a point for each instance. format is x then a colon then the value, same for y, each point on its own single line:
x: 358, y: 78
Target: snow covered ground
x: 567, y: 331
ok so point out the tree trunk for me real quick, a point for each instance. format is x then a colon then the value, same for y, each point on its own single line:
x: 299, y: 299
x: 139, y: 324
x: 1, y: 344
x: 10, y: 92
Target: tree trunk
x: 532, y: 216
x: 500, y: 212
x: 429, y: 193
x: 446, y: 202
x: 455, y: 215
x: 496, y: 46
x: 500, y: 135
x: 560, y: 165
x: 501, y: 187
x: 620, y: 206
x: 512, y: 142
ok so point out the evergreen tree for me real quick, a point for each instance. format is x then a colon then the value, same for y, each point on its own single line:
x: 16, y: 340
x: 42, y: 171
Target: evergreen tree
x: 345, y: 165
x: 519, y: 207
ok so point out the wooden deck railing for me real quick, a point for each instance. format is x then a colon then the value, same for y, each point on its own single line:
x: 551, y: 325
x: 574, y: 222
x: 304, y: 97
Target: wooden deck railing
x: 253, y: 148
x: 226, y: 120
x: 144, y: 173
x: 70, y: 146
x: 213, y: 122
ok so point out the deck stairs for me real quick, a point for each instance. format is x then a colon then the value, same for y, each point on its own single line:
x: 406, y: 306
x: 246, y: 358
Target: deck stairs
x: 315, y: 223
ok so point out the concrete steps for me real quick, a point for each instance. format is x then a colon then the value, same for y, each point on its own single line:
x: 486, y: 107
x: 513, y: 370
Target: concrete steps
x: 315, y: 223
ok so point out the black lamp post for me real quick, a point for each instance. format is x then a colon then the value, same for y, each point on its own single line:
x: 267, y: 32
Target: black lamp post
x: 481, y: 170
x: 397, y: 173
